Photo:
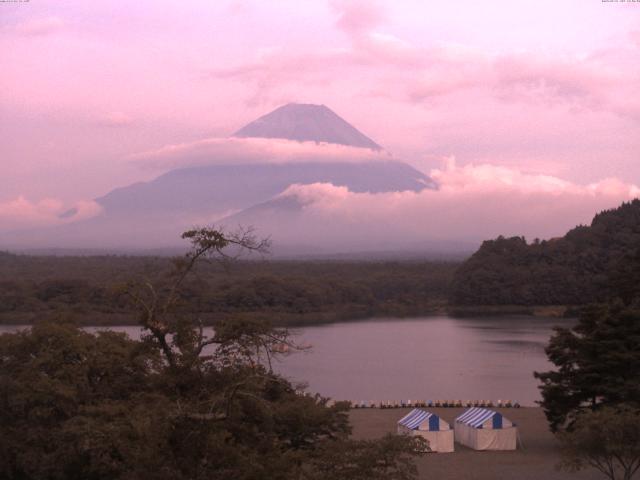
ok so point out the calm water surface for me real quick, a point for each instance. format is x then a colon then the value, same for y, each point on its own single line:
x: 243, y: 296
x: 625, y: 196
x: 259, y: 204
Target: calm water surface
x: 431, y: 358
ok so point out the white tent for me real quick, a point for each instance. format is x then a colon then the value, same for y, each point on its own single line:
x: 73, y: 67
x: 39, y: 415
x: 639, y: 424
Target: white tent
x: 483, y: 429
x: 429, y: 426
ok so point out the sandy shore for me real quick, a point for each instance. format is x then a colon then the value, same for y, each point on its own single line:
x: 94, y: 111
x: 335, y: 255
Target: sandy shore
x: 536, y: 459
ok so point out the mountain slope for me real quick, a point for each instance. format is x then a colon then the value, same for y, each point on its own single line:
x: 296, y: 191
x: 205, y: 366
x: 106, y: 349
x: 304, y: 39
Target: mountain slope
x: 306, y: 122
x: 219, y: 188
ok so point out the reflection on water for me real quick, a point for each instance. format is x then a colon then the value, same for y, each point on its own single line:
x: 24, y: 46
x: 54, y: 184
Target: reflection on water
x: 426, y: 358
x: 431, y: 358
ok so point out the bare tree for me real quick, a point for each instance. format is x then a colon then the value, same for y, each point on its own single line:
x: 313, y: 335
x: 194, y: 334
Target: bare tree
x: 182, y: 340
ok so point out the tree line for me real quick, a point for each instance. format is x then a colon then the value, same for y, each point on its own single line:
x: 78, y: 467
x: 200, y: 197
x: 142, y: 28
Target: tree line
x: 287, y: 292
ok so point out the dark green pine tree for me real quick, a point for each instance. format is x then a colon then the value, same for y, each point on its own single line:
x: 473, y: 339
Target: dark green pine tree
x: 625, y: 280
x: 598, y: 363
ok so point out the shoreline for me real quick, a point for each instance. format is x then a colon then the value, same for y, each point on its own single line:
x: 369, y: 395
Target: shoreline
x: 307, y: 320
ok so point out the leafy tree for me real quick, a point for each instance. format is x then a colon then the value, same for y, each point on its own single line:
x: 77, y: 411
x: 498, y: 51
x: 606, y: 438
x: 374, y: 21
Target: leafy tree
x: 607, y: 440
x: 597, y: 362
x: 178, y: 404
x: 389, y: 457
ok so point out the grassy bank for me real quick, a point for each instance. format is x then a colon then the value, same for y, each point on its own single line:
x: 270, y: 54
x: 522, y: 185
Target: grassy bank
x: 556, y: 311
x: 291, y: 319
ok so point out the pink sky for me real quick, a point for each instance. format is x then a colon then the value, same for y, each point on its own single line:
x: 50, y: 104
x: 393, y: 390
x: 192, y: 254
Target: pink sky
x: 540, y: 88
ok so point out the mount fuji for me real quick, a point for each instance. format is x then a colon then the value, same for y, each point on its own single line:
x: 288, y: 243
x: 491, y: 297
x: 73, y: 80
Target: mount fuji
x: 153, y: 214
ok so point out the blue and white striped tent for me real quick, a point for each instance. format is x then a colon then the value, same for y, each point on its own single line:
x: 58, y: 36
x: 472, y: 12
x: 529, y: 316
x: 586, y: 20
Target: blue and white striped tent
x: 484, y: 429
x: 477, y: 417
x: 418, y: 419
x: 429, y: 426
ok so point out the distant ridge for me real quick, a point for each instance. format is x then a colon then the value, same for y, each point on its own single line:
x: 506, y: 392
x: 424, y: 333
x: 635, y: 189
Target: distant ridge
x: 307, y: 122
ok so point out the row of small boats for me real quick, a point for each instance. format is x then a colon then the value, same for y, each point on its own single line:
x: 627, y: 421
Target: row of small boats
x: 435, y: 403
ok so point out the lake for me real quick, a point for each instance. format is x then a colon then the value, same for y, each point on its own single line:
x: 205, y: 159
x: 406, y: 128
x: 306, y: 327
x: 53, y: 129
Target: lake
x: 430, y: 358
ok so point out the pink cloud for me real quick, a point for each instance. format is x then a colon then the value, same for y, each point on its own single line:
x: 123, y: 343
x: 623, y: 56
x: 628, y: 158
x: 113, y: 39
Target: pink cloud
x: 20, y: 212
x: 551, y: 80
x: 485, y: 178
x: 515, y: 77
x: 381, y: 49
x: 40, y: 26
x: 275, y: 69
x: 393, y: 71
x: 115, y: 119
x: 491, y: 178
x: 226, y: 151
x: 356, y: 17
x: 415, y: 74
x: 473, y: 203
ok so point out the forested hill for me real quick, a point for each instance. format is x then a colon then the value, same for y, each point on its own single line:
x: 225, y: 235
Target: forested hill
x: 589, y: 264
